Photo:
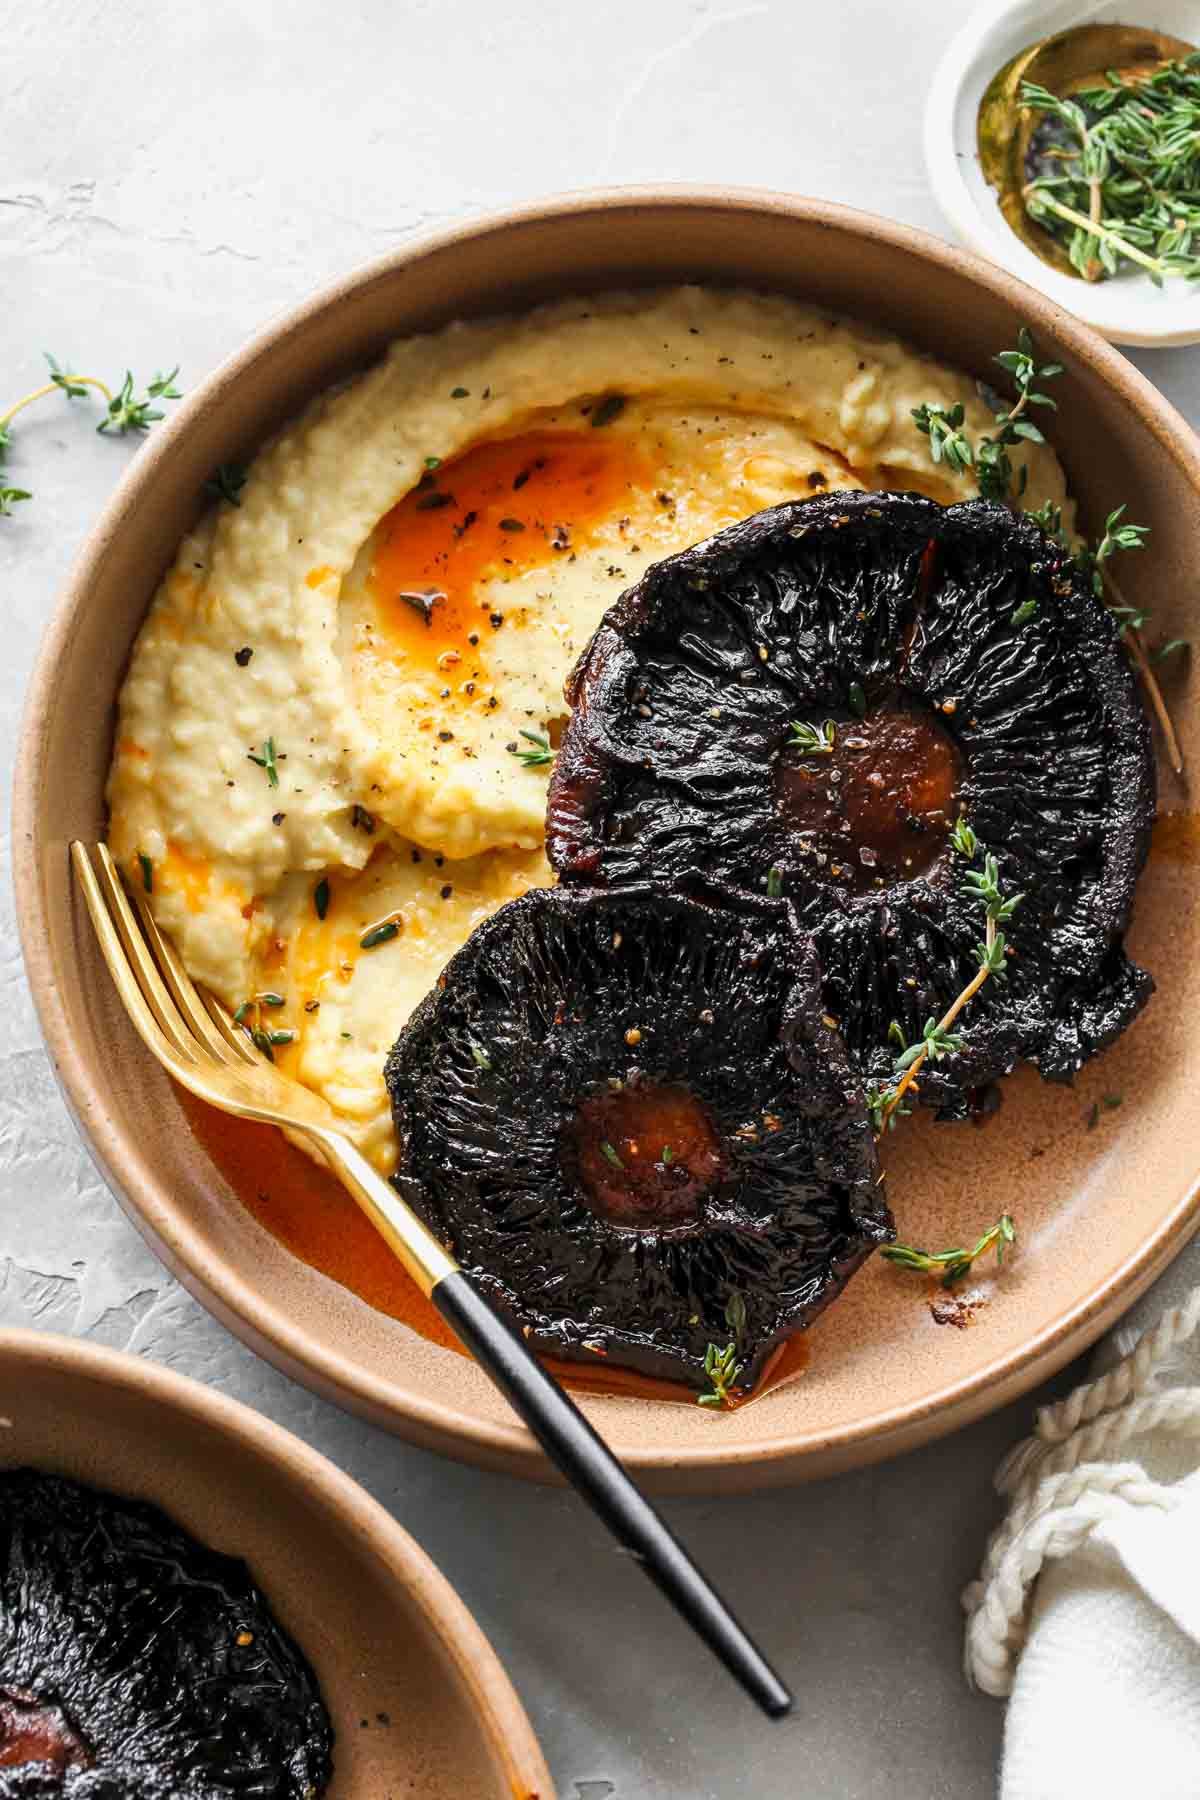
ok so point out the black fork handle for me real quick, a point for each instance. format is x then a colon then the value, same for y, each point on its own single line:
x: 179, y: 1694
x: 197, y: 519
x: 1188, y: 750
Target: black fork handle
x: 590, y: 1466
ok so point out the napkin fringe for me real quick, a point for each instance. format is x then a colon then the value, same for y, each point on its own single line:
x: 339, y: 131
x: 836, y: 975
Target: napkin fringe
x: 1137, y: 1372
x: 1063, y: 1484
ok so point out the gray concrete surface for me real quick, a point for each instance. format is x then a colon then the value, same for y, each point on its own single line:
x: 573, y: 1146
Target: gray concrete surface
x: 173, y: 175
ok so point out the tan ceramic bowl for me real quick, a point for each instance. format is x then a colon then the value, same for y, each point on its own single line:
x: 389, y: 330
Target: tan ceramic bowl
x: 1100, y: 1212
x: 384, y: 1631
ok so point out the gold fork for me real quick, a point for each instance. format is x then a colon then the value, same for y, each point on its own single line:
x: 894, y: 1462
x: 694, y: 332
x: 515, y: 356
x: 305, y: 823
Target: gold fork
x: 197, y: 1042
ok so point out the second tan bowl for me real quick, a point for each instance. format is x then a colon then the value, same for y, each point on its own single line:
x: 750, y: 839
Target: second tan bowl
x: 1099, y: 1211
x: 420, y: 1705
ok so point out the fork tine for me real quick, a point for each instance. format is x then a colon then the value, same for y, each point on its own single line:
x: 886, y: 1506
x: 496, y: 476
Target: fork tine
x: 184, y: 992
x: 233, y: 1034
x: 148, y: 1019
x: 138, y: 957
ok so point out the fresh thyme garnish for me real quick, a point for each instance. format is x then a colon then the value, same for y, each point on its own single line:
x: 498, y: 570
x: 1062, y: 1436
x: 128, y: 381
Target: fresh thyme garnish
x: 963, y: 839
x: 607, y: 1151
x: 948, y: 442
x: 857, y: 699
x: 226, y: 483
x: 147, y: 869
x: 994, y: 475
x: 266, y: 761
x: 379, y: 934
x: 668, y: 1155
x: 1023, y: 613
x: 886, y: 1104
x: 480, y: 1056
x: 735, y: 1315
x: 774, y: 883
x: 321, y: 897
x: 722, y: 1369
x: 75, y: 387
x: 1111, y: 1103
x: 952, y: 1265
x: 813, y: 740
x: 125, y: 412
x: 1119, y: 171
x: 249, y: 1016
x: 541, y: 753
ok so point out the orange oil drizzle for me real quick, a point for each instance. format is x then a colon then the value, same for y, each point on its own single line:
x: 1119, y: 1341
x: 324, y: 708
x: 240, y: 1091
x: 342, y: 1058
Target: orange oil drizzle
x: 310, y: 1213
x: 498, y: 510
x: 1177, y: 835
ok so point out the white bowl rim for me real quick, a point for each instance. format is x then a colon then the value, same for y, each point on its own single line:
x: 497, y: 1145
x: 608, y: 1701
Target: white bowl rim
x: 1122, y: 311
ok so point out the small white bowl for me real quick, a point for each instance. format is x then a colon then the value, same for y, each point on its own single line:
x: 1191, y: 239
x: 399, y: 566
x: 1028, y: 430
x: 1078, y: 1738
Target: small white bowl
x: 1125, y: 310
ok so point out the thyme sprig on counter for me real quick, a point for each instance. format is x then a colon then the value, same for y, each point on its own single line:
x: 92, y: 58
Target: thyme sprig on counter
x: 938, y: 1039
x: 1119, y: 172
x: 125, y: 409
x: 952, y: 1265
x: 722, y: 1369
x: 997, y: 480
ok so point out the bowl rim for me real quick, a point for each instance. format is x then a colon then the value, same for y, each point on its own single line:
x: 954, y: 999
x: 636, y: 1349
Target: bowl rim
x: 224, y: 1289
x: 494, y: 1700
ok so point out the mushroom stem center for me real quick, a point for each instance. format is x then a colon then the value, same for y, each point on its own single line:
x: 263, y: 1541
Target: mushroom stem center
x: 37, y: 1731
x: 876, y: 806
x: 646, y: 1154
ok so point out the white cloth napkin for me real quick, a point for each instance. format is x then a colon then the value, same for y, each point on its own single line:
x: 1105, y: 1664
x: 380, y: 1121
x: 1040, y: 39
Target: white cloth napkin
x: 1087, y: 1609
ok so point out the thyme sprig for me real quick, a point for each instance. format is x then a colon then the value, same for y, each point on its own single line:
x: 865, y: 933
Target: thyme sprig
x: 266, y: 760
x: 722, y: 1369
x: 226, y: 483
x: 938, y: 1039
x: 990, y: 459
x: 540, y: 753
x: 265, y: 1038
x: 813, y: 740
x: 952, y: 1265
x: 997, y: 480
x: 948, y: 442
x: 125, y: 410
x: 1118, y: 172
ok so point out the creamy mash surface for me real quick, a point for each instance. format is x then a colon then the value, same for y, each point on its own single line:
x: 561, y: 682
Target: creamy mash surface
x: 319, y: 731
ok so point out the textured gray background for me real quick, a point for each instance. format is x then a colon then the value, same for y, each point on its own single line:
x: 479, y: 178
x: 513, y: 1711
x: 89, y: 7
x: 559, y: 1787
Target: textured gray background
x: 171, y: 177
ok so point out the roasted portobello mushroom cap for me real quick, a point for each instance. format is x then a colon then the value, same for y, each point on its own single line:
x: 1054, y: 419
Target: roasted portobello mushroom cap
x: 823, y: 691
x: 627, y: 1115
x: 135, y: 1664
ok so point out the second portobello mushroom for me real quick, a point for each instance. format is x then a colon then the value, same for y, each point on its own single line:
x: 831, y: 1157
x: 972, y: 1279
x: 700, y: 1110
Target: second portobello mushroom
x: 628, y: 1115
x: 822, y: 692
